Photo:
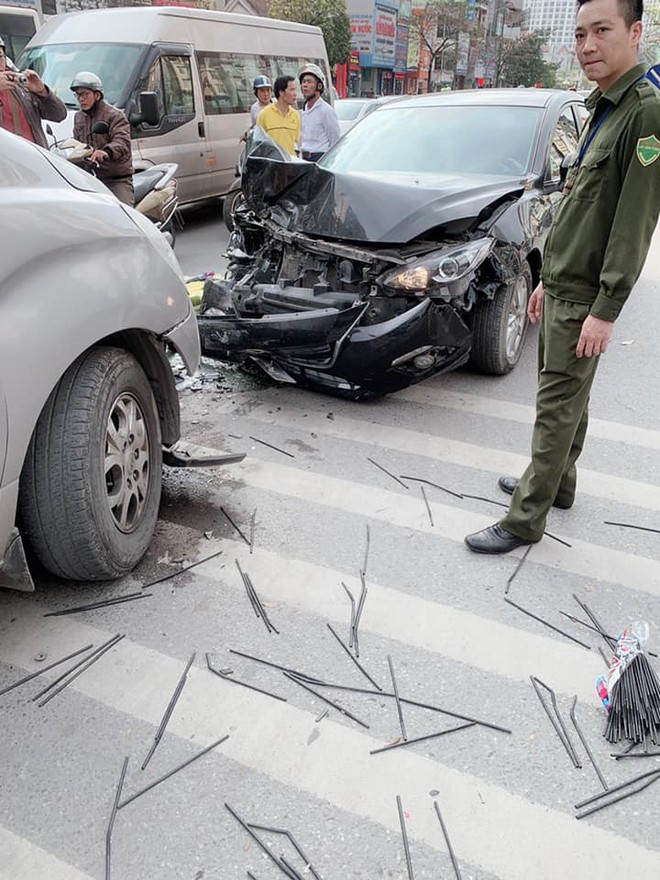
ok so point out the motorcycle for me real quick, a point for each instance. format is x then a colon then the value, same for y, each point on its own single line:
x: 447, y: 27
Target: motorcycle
x: 155, y: 188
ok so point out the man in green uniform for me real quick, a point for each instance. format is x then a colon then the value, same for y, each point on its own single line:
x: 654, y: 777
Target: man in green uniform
x: 593, y: 257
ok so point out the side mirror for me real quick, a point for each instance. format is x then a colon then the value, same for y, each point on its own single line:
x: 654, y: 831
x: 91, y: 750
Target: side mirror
x: 150, y: 112
x: 100, y: 128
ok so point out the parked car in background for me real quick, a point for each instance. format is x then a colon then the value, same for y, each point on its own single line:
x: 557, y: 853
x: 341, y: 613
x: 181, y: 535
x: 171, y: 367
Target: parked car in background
x: 351, y: 110
x: 411, y: 248
x: 91, y: 298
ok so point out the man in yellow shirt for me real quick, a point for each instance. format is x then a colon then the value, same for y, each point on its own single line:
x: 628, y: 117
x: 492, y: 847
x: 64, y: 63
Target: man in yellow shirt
x: 281, y: 121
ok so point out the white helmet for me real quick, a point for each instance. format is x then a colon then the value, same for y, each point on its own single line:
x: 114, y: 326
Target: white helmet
x: 316, y: 71
x: 85, y: 79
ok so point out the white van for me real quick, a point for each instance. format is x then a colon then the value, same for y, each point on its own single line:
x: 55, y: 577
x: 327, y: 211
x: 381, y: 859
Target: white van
x: 200, y: 65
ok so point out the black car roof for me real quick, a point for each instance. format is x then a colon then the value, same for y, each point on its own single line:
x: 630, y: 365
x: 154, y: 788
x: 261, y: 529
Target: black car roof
x: 486, y: 98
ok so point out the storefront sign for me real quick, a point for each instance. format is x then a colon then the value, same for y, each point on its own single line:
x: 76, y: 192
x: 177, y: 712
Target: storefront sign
x: 362, y: 33
x: 401, y: 48
x: 462, y: 53
x: 384, y: 38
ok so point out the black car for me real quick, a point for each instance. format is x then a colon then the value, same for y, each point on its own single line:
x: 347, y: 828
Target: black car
x: 410, y: 249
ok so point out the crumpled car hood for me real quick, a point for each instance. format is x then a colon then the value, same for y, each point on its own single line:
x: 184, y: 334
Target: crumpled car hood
x: 301, y: 196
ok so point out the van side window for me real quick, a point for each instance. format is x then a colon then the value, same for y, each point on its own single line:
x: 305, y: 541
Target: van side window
x: 170, y: 78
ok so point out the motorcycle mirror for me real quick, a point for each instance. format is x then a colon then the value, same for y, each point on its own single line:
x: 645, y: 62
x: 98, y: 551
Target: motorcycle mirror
x: 100, y: 128
x: 150, y: 110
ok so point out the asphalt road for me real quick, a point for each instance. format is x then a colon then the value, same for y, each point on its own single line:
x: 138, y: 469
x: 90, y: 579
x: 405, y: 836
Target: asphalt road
x: 323, y: 512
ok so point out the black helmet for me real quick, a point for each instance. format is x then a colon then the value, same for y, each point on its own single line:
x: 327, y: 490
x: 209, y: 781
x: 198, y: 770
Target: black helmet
x: 85, y: 79
x: 261, y: 82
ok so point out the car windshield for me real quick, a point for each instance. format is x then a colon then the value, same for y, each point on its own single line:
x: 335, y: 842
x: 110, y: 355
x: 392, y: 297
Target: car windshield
x: 468, y: 139
x: 114, y: 63
x: 347, y: 110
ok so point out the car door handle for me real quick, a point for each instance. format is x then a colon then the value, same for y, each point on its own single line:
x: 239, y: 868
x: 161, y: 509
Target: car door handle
x: 200, y: 129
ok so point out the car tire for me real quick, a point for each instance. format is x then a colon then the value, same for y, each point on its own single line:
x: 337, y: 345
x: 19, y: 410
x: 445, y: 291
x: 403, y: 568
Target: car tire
x: 91, y: 482
x: 230, y: 202
x: 500, y: 326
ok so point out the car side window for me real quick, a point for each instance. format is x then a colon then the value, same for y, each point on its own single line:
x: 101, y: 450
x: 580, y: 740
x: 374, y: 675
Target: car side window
x: 170, y: 78
x: 564, y: 141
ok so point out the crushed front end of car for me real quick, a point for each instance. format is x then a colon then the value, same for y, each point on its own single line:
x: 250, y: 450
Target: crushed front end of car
x: 321, y: 292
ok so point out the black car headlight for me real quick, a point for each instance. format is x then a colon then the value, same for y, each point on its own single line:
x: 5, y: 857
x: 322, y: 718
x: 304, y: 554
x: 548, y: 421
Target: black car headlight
x: 440, y: 268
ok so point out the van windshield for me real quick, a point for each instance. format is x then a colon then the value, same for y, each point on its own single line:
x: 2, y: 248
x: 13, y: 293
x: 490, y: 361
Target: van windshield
x: 57, y: 65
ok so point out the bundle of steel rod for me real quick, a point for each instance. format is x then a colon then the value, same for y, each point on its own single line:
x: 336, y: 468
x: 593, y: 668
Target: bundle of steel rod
x: 635, y: 704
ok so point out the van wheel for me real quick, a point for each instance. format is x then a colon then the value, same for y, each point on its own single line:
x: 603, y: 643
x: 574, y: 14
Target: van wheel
x: 500, y: 326
x: 231, y: 201
x: 90, y: 486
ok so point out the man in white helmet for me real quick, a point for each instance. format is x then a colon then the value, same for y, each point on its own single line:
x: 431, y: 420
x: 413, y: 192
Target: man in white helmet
x: 112, y: 147
x: 320, y: 126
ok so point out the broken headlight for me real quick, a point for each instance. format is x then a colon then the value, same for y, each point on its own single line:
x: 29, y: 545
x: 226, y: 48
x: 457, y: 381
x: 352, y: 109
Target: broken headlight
x: 440, y: 268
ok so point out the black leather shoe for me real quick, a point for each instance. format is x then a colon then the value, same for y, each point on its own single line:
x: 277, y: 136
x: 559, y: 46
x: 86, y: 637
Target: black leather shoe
x: 495, y: 539
x: 508, y: 485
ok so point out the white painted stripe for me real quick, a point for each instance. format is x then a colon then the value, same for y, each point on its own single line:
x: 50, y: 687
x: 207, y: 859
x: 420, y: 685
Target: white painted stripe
x: 456, y: 452
x: 407, y: 510
x: 22, y: 860
x: 484, y: 818
x: 432, y: 393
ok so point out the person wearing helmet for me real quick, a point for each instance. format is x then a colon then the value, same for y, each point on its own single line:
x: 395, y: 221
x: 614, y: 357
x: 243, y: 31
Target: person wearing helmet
x: 263, y: 90
x: 320, y: 126
x: 25, y: 100
x: 112, y: 147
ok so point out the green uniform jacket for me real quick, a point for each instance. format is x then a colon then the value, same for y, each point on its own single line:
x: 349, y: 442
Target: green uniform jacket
x: 598, y: 243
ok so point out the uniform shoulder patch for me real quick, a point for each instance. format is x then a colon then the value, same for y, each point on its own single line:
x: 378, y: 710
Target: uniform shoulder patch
x: 648, y: 150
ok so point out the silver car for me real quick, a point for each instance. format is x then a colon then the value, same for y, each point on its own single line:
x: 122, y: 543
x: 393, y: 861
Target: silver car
x: 91, y: 297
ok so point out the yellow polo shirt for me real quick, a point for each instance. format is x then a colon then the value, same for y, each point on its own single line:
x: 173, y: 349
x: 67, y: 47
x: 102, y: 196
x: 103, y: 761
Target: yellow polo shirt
x: 284, y: 130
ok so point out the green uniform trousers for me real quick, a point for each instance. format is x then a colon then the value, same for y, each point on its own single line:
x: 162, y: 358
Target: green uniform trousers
x: 562, y: 398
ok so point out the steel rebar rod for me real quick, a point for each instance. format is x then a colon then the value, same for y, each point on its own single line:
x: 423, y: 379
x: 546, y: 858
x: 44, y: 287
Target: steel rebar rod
x: 366, y: 552
x: 546, y: 623
x: 244, y: 684
x: 117, y: 600
x: 170, y: 773
x: 257, y: 840
x: 264, y: 615
x: 168, y: 711
x: 32, y: 675
x: 354, y: 659
x: 240, y: 531
x: 553, y: 721
x: 88, y: 662
x: 404, y: 835
x: 450, y: 849
x: 172, y: 575
x: 286, y: 833
x: 435, y: 486
x: 619, y: 757
x: 56, y: 681
x: 584, y: 742
x: 352, y: 624
x: 555, y: 708
x: 631, y: 526
x: 428, y: 506
x: 418, y: 739
x: 309, y: 678
x: 270, y: 446
x: 111, y: 823
x: 389, y: 473
x: 620, y: 797
x: 358, y: 613
x: 397, y: 698
x: 334, y: 705
x: 616, y: 788
x: 253, y: 521
x: 520, y: 564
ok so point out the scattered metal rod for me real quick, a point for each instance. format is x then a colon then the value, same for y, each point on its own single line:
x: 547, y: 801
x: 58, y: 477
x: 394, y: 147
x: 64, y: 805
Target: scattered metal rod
x: 258, y: 841
x: 397, y: 698
x: 366, y: 552
x: 558, y: 540
x: 351, y: 597
x: 170, y: 773
x: 609, y: 640
x: 168, y: 711
x: 618, y: 757
x: 334, y: 705
x: 519, y: 565
x: 435, y: 486
x: 428, y: 506
x: 554, y: 723
x: 389, y: 473
x: 604, y: 656
x: 244, y: 684
x: 323, y: 715
x: 584, y: 742
x: 234, y: 525
x: 420, y: 705
x: 117, y: 600
x: 450, y: 849
x: 253, y: 521
x: 555, y: 707
x: 270, y: 446
x: 620, y: 797
x: 595, y: 629
x: 294, y: 844
x: 546, y: 623
x: 358, y: 613
x: 56, y: 681
x: 251, y: 875
x: 616, y: 788
x: 296, y: 672
x: 404, y: 835
x: 631, y: 526
x: 89, y: 661
x: 172, y: 575
x: 290, y: 868
x: 418, y: 739
x: 487, y: 500
x: 354, y: 659
x: 111, y: 823
x: 26, y: 678
x: 256, y: 601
